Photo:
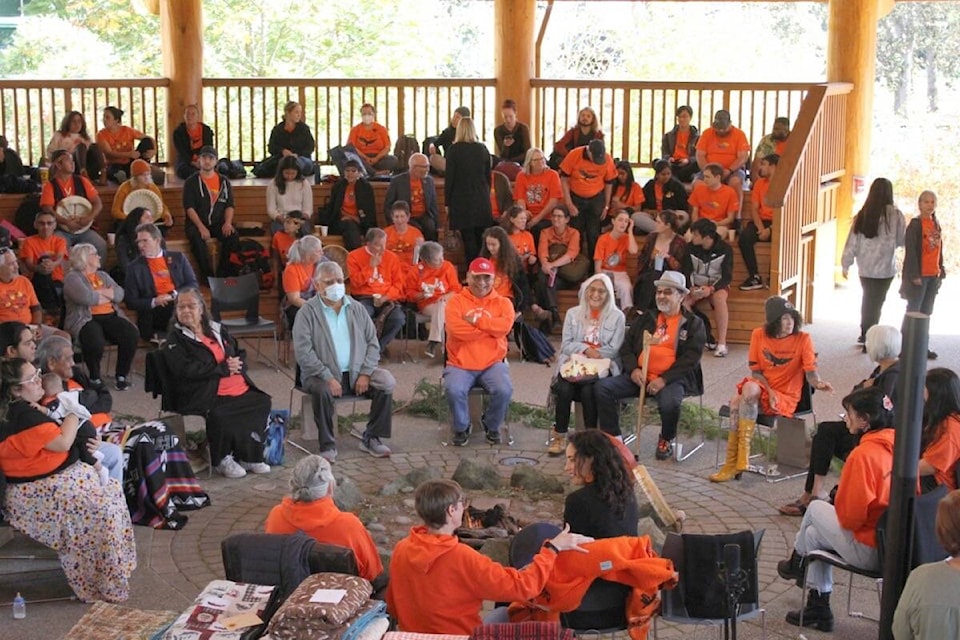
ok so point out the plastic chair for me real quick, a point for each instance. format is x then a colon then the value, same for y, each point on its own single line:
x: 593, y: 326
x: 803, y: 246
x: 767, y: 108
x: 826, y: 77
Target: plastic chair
x: 242, y: 293
x: 793, y: 447
x: 924, y: 548
x: 674, y: 603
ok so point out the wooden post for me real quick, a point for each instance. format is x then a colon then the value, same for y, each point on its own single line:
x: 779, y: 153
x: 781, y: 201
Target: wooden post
x: 513, y: 54
x: 181, y: 29
x: 852, y: 57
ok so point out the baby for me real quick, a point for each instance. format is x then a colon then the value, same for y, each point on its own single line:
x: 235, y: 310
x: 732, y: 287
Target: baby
x: 59, y: 404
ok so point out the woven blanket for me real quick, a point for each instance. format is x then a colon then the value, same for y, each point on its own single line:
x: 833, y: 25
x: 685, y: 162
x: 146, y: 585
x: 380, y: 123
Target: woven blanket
x: 122, y: 622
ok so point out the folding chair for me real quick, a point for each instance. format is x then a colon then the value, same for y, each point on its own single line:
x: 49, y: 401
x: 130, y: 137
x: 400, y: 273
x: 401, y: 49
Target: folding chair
x: 308, y: 427
x: 678, y: 449
x: 681, y: 604
x: 793, y: 445
x: 414, y: 321
x: 242, y: 293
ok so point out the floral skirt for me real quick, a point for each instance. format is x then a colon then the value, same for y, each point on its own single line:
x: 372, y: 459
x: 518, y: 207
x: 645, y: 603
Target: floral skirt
x: 87, y: 524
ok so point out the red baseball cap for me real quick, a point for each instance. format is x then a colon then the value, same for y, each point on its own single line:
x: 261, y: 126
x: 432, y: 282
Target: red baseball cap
x: 482, y: 265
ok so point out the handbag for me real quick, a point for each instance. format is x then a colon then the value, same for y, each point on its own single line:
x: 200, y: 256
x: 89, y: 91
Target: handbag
x: 580, y: 368
x: 574, y: 271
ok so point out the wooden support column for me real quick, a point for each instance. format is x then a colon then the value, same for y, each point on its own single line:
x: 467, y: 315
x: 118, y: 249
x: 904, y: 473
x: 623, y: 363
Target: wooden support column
x: 513, y: 54
x: 181, y: 33
x: 852, y: 57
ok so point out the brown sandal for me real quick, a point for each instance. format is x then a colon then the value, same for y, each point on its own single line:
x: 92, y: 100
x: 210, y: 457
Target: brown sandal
x: 795, y: 508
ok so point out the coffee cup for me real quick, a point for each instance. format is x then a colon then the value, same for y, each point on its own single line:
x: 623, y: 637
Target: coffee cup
x: 111, y: 239
x: 658, y: 263
x: 377, y: 299
x: 732, y: 235
x: 44, y: 174
x: 323, y: 229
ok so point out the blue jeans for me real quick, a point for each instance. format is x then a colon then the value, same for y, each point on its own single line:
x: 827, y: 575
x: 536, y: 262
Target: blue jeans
x: 112, y: 459
x: 495, y: 379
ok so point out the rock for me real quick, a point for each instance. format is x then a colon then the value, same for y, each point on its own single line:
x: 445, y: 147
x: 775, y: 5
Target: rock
x: 498, y: 550
x: 376, y: 526
x: 648, y: 527
x: 403, y: 520
x: 534, y: 480
x: 409, y: 503
x: 347, y: 495
x: 474, y: 476
x: 409, y: 481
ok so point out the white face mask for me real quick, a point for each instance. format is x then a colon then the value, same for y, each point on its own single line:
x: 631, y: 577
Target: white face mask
x: 335, y: 292
x: 367, y: 118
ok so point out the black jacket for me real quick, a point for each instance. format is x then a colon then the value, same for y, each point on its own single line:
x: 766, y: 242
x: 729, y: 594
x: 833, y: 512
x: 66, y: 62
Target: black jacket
x: 674, y: 196
x: 363, y: 192
x: 138, y: 287
x: 669, y: 142
x: 466, y: 186
x: 912, y: 241
x: 300, y: 140
x: 195, y: 372
x: 181, y: 142
x: 196, y: 196
x: 690, y: 340
x: 399, y: 189
x: 713, y: 265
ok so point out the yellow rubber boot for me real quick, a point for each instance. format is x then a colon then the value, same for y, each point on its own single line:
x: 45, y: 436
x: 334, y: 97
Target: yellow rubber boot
x: 729, y: 468
x: 745, y: 436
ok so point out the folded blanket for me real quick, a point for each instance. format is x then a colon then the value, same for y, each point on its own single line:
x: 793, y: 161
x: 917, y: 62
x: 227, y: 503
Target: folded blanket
x: 300, y: 619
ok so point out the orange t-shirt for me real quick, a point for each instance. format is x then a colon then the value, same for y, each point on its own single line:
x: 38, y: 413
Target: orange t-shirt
x: 349, y: 207
x: 47, y: 198
x: 758, y: 195
x: 549, y: 236
x: 779, y: 147
x: 523, y: 242
x: 160, y: 272
x: 232, y: 385
x: 98, y: 285
x: 680, y: 148
x: 23, y: 455
x: 34, y: 248
x: 281, y: 243
x: 535, y: 191
x: 783, y: 362
x: 633, y: 199
x: 213, y: 186
x: 196, y: 138
x: 612, y: 252
x: 943, y: 453
x: 586, y: 177
x: 723, y: 150
x: 297, y: 278
x: 715, y: 205
x: 502, y: 283
x: 120, y: 141
x: 664, y: 353
x: 929, y: 248
x: 16, y: 299
x: 403, y: 244
x: 439, y: 281
x: 369, y: 142
x: 418, y: 205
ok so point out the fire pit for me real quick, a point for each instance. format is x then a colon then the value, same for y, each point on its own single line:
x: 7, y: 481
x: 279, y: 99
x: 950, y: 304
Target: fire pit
x: 481, y: 524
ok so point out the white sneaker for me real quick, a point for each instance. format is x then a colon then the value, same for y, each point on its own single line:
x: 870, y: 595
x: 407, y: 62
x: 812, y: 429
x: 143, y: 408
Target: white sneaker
x: 721, y: 351
x: 255, y: 467
x: 229, y: 468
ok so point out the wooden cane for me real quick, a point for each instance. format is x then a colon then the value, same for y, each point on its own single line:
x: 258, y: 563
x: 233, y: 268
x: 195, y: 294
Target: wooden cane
x: 644, y: 366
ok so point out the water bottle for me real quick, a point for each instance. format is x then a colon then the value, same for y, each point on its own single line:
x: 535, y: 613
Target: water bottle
x: 19, y: 607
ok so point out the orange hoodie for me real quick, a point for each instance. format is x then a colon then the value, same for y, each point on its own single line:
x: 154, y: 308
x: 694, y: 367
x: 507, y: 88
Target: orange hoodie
x: 441, y: 281
x: 438, y: 585
x: 476, y: 347
x: 864, y: 491
x: 366, y: 280
x: 628, y: 560
x: 324, y: 522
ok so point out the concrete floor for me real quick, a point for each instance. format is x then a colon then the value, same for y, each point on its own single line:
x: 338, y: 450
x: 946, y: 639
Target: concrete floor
x: 174, y: 566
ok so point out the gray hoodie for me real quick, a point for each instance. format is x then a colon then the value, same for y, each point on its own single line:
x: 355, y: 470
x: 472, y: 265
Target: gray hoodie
x: 612, y: 326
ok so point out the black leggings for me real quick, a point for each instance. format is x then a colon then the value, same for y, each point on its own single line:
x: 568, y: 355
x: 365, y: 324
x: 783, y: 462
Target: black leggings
x: 832, y: 439
x: 101, y: 330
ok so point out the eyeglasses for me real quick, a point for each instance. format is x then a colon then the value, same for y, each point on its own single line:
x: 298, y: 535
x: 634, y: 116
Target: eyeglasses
x: 35, y: 378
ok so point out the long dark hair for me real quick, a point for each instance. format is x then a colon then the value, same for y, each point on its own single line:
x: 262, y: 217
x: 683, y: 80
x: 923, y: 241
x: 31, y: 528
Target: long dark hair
x: 610, y: 474
x: 286, y: 162
x: 65, y: 125
x: 508, y: 261
x: 628, y: 183
x: 873, y: 405
x: 867, y: 222
x: 131, y: 222
x: 509, y: 216
x: 10, y: 333
x: 11, y: 375
x: 943, y: 401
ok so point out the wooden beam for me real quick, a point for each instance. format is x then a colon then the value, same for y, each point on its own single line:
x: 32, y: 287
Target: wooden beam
x: 514, y: 53
x: 181, y: 33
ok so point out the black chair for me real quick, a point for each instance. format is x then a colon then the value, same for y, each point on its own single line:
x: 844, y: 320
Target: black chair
x: 687, y: 602
x: 242, y: 293
x: 924, y: 548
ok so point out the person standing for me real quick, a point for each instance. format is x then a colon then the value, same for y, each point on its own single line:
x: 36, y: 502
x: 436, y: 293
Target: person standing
x: 208, y: 203
x: 877, y: 231
x: 467, y: 188
x: 923, y: 259
x: 587, y: 175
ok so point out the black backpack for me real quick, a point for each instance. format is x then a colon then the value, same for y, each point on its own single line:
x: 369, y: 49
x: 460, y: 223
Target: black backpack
x: 534, y: 346
x: 250, y: 256
x: 26, y: 213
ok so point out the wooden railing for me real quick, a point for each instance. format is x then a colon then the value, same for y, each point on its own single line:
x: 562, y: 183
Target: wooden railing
x: 803, y: 189
x: 635, y: 115
x: 31, y: 110
x: 243, y: 112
